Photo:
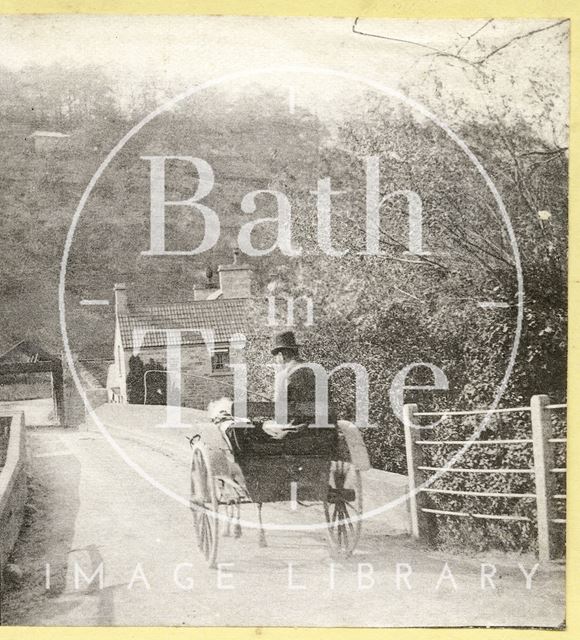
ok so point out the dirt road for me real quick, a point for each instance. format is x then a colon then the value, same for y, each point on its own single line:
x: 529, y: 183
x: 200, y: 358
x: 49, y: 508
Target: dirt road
x: 89, y: 512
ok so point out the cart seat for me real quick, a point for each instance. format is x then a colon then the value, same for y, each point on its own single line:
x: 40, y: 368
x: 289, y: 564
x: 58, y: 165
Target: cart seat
x: 310, y: 441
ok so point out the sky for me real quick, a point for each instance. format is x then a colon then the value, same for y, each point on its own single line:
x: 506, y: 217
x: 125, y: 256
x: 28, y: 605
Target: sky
x: 191, y: 46
x: 180, y: 51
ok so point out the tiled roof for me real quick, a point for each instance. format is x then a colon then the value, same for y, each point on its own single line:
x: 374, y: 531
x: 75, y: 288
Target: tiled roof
x: 146, y: 326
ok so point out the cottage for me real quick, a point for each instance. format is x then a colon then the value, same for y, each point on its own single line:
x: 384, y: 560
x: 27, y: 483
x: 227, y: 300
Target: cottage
x: 141, y: 340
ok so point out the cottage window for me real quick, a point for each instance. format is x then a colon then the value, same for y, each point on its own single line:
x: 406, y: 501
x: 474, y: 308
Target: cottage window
x: 220, y: 360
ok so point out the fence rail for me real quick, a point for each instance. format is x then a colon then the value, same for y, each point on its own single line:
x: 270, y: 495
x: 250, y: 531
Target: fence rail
x: 543, y: 470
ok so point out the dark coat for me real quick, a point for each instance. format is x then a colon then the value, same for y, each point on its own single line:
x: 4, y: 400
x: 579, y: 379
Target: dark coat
x: 302, y: 390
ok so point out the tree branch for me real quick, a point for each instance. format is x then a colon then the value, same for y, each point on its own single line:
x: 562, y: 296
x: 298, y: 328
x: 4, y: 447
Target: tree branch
x: 441, y: 53
x: 493, y: 250
x: 520, y: 37
x: 543, y: 153
x: 409, y: 294
x: 422, y: 260
x: 437, y: 52
x: 376, y: 35
x: 468, y: 40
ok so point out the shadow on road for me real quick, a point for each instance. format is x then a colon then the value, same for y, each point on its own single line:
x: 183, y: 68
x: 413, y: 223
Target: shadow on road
x: 46, y: 537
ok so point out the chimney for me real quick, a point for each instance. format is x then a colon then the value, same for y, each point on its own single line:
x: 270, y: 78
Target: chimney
x: 235, y: 279
x: 203, y: 291
x: 121, y: 298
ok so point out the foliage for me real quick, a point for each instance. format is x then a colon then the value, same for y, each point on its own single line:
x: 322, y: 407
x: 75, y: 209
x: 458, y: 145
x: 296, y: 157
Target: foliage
x: 389, y: 311
x: 383, y: 312
x: 153, y: 375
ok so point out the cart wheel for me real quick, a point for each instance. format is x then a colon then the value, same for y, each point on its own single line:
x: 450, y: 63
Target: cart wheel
x: 343, y: 508
x: 204, y: 504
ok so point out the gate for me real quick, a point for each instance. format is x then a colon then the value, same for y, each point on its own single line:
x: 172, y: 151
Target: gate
x: 544, y: 470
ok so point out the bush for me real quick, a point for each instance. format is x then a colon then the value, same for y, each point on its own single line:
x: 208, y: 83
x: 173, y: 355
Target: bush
x: 156, y: 382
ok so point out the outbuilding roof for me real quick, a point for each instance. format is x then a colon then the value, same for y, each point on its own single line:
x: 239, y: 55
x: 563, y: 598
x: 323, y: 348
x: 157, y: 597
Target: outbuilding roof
x: 26, y: 351
x: 49, y: 134
x: 147, y: 326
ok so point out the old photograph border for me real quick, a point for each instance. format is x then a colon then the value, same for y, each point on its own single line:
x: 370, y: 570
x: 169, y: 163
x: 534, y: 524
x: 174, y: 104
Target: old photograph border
x: 419, y: 9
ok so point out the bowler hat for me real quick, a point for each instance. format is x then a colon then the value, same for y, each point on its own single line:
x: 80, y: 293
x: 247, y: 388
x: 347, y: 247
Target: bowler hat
x: 284, y: 340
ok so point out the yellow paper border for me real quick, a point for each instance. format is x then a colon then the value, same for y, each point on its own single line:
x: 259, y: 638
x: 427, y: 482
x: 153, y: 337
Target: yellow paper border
x: 433, y: 9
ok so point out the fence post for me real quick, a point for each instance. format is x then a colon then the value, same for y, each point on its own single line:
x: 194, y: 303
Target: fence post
x: 58, y: 393
x: 543, y: 464
x: 414, y: 458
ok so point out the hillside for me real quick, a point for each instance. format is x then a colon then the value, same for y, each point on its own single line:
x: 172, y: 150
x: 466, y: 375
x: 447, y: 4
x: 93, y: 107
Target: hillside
x: 39, y: 192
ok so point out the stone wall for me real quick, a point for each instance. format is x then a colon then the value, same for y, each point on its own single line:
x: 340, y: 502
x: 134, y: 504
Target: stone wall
x: 199, y: 385
x: 75, y: 410
x: 13, y: 488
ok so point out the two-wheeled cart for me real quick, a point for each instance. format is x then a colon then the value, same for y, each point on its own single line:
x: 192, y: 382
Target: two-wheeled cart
x: 317, y: 464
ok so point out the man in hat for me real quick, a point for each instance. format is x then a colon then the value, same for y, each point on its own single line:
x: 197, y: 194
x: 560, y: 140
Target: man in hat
x: 300, y: 383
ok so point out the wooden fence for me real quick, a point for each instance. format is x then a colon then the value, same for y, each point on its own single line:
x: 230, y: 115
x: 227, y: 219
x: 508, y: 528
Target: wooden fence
x: 544, y: 470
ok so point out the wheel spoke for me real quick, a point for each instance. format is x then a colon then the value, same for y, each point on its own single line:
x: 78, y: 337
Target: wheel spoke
x: 204, y: 536
x: 201, y: 541
x: 206, y: 541
x: 344, y: 523
x: 342, y: 516
x: 210, y: 524
x: 207, y: 538
x: 344, y: 536
x: 349, y: 515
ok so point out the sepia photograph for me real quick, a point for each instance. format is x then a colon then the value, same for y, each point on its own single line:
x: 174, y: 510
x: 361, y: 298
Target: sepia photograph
x: 283, y: 321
